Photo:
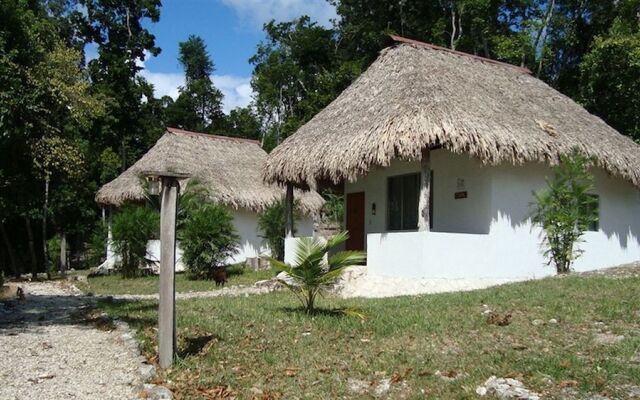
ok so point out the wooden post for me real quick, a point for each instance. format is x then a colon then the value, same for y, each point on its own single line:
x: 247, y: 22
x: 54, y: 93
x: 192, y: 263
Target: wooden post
x: 166, y: 314
x: 425, y: 191
x: 289, y: 210
x: 63, y: 253
x: 110, y: 250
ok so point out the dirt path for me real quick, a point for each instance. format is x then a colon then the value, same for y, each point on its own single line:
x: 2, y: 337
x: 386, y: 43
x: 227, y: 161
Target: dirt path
x: 46, y: 354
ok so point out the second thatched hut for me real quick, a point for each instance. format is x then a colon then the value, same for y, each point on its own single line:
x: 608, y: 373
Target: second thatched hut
x: 229, y: 168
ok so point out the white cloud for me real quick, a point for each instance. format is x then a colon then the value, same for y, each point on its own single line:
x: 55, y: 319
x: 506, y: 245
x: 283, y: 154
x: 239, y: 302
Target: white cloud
x: 258, y: 12
x: 236, y: 89
x: 164, y: 84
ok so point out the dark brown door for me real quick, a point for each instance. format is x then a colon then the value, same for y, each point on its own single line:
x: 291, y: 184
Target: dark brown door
x: 355, y: 221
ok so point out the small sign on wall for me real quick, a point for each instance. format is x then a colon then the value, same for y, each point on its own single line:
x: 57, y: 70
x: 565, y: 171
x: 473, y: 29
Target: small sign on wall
x: 460, y: 195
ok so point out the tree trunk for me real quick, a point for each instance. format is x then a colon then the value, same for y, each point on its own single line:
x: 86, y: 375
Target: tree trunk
x: 45, y: 211
x: 289, y: 210
x: 63, y: 253
x: 424, y: 224
x: 12, y: 254
x: 32, y: 249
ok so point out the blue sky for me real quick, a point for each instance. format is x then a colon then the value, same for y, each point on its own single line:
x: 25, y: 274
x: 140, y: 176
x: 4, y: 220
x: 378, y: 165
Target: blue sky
x: 231, y: 30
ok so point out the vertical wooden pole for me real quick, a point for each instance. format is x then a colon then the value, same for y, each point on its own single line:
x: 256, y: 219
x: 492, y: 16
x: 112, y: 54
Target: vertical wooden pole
x: 289, y: 210
x: 166, y: 314
x: 63, y: 253
x: 110, y: 250
x: 425, y: 191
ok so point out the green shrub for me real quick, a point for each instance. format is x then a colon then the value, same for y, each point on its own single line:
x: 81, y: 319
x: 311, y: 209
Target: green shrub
x: 313, y: 270
x: 207, y: 239
x: 272, y: 224
x: 53, y: 245
x: 97, y: 246
x: 333, y: 209
x: 565, y: 209
x: 132, y: 227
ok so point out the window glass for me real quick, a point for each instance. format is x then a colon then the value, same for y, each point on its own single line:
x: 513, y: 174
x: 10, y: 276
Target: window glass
x: 595, y: 225
x: 394, y: 204
x: 402, y: 202
x: 410, y: 193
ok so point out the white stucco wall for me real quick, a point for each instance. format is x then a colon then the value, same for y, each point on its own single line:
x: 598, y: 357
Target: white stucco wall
x: 487, y: 234
x: 451, y: 173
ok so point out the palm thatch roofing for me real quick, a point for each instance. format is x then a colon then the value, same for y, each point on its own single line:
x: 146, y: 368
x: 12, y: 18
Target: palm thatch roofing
x: 230, y: 168
x: 417, y: 95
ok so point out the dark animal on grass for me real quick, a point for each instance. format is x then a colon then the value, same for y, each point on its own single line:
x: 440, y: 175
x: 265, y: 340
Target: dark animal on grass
x: 220, y: 276
x: 495, y: 318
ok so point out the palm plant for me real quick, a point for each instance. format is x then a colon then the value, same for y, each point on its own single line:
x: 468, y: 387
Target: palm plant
x: 313, y: 270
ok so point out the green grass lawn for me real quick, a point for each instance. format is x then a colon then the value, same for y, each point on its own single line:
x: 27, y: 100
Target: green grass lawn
x: 265, y: 347
x: 115, y: 284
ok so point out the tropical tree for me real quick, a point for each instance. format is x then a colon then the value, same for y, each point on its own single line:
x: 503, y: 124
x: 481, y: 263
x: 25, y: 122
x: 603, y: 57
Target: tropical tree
x: 272, y: 224
x: 133, y: 227
x: 199, y: 105
x: 610, y: 75
x: 207, y: 238
x: 565, y: 210
x: 314, y: 270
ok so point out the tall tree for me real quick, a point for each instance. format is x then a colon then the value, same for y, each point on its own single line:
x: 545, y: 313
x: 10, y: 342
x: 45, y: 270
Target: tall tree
x: 118, y: 29
x: 610, y: 72
x: 199, y: 104
x: 296, y: 74
x: 47, y: 100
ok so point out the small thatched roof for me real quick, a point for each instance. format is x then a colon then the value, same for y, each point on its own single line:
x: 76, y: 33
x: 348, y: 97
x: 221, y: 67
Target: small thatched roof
x: 417, y: 95
x: 230, y: 168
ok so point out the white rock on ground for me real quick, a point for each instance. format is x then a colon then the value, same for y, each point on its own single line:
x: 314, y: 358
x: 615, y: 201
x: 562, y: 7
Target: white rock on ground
x: 46, y: 355
x: 506, y: 388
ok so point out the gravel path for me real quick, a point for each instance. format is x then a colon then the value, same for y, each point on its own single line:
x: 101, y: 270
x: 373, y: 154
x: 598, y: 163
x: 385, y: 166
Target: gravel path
x: 47, y: 355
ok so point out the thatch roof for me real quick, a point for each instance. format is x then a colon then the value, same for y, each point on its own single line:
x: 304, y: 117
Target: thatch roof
x: 417, y: 95
x: 230, y: 168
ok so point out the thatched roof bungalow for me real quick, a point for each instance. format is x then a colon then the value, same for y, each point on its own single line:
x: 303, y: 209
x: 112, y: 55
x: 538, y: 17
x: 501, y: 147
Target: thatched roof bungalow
x: 433, y: 139
x: 229, y: 168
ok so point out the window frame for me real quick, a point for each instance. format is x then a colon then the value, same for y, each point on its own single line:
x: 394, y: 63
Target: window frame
x: 388, y: 203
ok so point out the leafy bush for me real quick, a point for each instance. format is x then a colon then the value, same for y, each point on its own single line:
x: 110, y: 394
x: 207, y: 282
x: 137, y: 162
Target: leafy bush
x: 53, y: 245
x: 313, y: 270
x: 566, y: 209
x: 208, y: 238
x: 272, y: 223
x: 132, y: 227
x: 333, y: 209
x: 96, y: 252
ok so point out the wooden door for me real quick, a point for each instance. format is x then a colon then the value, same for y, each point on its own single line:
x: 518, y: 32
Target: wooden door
x: 355, y: 221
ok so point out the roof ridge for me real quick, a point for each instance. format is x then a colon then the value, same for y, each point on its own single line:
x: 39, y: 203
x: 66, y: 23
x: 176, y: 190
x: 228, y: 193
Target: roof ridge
x: 401, y: 39
x: 184, y: 132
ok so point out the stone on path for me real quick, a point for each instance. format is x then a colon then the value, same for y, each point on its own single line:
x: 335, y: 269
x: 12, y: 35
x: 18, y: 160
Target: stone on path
x: 506, y: 388
x: 607, y: 338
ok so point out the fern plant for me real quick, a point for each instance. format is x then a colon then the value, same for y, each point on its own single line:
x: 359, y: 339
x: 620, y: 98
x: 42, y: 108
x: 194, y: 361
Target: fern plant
x: 313, y: 270
x: 566, y: 209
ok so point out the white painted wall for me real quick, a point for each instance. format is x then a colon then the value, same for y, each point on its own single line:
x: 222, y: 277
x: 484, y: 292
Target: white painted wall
x: 452, y: 173
x: 488, y: 234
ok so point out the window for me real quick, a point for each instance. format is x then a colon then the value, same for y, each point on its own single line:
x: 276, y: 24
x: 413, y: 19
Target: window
x: 595, y: 205
x: 402, y: 202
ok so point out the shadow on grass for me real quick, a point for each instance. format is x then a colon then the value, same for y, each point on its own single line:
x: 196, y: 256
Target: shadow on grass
x: 194, y: 345
x: 330, y: 312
